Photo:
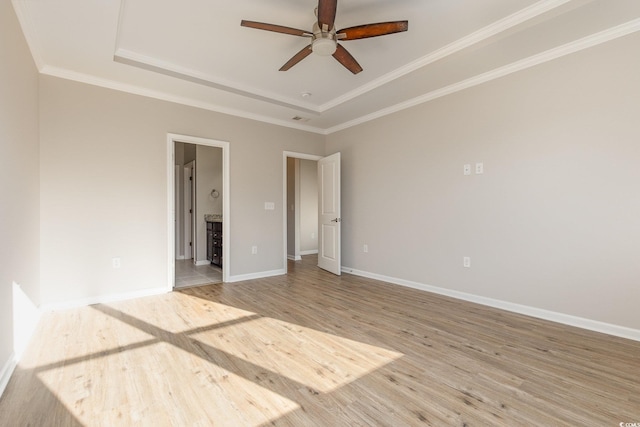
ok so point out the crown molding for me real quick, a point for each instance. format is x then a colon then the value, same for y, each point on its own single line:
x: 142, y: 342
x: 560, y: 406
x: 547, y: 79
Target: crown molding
x: 152, y: 64
x: 481, y: 35
x: 127, y: 57
x: 30, y: 32
x: 546, y: 56
x: 163, y: 96
x: 134, y: 59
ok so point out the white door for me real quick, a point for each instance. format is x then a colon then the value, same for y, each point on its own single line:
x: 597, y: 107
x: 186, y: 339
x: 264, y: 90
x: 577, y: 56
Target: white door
x: 177, y: 216
x: 329, y: 222
x: 188, y: 210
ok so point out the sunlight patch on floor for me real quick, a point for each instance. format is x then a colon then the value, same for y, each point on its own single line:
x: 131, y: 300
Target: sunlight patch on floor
x: 315, y: 359
x: 233, y: 366
x: 209, y: 391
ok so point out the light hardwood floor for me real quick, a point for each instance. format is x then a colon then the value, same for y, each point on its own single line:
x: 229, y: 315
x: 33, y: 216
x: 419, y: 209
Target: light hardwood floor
x: 313, y: 349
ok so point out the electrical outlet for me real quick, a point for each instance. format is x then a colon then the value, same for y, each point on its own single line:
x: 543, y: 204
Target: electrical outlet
x: 365, y: 248
x: 269, y: 206
x: 115, y: 262
x: 254, y: 250
x: 313, y: 235
x: 466, y: 169
x: 466, y: 262
x: 479, y: 168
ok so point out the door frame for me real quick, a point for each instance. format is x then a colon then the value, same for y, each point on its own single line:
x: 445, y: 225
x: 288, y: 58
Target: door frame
x: 285, y: 155
x: 226, y: 205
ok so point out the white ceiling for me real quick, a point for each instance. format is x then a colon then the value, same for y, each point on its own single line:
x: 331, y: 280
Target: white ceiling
x: 195, y: 52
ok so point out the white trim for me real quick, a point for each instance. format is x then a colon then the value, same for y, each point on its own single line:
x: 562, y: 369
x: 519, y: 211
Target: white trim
x: 180, y: 258
x: 102, y: 299
x: 566, y: 319
x: 171, y: 206
x: 226, y: 201
x: 30, y: 31
x: 517, y: 18
x: 145, y: 62
x: 155, y: 65
x: 259, y: 275
x: 285, y: 208
x: 311, y: 252
x: 481, y: 35
x: 528, y: 13
x: 294, y: 258
x: 7, y: 371
x: 163, y: 96
x: 202, y: 262
x: 531, y: 61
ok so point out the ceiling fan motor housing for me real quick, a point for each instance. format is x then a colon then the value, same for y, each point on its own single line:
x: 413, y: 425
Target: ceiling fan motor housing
x: 323, y: 42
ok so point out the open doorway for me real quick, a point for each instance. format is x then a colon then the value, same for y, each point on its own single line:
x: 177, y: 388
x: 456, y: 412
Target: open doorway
x: 300, y: 206
x: 198, y: 199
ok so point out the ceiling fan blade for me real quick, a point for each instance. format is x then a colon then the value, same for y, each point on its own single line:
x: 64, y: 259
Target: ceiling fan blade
x: 373, y: 30
x: 327, y: 13
x: 306, y: 51
x: 275, y: 28
x: 347, y: 60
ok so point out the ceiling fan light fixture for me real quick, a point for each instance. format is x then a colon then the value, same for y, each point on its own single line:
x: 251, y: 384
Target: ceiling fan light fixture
x: 324, y: 35
x: 324, y: 46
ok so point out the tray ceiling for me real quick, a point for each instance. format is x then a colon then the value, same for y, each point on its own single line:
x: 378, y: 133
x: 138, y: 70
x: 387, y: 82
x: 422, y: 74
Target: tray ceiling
x: 195, y: 52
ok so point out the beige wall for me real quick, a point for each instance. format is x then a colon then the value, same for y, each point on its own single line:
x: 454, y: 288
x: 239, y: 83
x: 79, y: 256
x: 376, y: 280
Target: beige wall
x: 19, y: 176
x: 553, y: 223
x: 104, y: 188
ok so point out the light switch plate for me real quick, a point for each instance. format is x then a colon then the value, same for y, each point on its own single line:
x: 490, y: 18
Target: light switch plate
x: 269, y: 206
x: 466, y: 169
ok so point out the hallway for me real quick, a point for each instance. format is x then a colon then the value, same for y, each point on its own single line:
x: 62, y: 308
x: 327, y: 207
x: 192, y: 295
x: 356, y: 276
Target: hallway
x: 188, y: 274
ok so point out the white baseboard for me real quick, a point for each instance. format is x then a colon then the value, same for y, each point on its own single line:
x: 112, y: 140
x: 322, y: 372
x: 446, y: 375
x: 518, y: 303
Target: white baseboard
x: 294, y: 258
x: 580, y: 322
x: 311, y: 252
x: 7, y: 371
x: 259, y: 275
x: 205, y: 262
x: 102, y: 299
x: 180, y: 257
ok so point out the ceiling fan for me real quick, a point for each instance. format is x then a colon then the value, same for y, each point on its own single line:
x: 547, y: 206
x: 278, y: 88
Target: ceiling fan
x: 324, y: 36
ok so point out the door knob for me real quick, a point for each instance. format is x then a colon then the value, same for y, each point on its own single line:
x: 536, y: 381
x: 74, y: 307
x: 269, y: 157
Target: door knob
x: 335, y: 220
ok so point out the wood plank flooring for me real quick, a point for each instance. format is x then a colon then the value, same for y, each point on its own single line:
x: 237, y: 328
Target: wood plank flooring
x: 313, y: 349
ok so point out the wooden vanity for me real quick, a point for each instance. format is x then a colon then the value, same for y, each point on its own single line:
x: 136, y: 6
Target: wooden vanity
x: 214, y: 242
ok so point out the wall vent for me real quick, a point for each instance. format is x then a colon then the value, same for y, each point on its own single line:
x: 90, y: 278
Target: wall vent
x: 300, y: 119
